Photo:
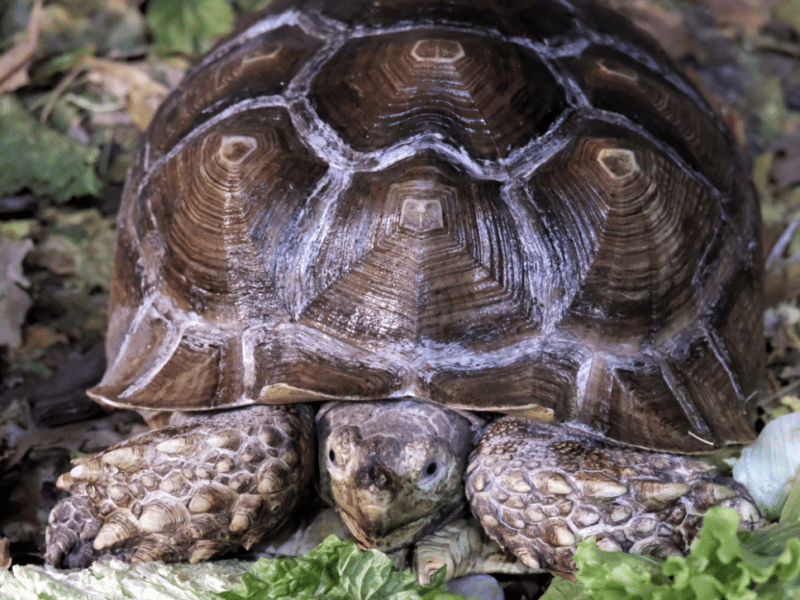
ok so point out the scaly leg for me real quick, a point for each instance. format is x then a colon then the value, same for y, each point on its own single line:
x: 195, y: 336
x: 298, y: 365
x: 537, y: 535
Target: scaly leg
x: 194, y: 490
x: 539, y: 490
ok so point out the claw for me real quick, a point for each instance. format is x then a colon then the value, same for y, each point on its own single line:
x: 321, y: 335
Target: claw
x: 119, y: 527
x: 247, y: 512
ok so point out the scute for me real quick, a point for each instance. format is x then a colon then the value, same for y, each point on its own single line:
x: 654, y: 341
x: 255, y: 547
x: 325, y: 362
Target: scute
x: 480, y: 94
x: 632, y: 226
x: 515, y: 207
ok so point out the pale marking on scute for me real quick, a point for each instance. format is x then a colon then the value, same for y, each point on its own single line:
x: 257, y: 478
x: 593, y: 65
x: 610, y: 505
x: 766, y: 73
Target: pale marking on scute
x: 651, y: 62
x: 200, y: 503
x: 262, y: 56
x: 260, y: 27
x: 153, y: 518
x: 422, y: 215
x: 234, y: 149
x: 562, y: 536
x: 628, y: 74
x: 126, y: 458
x: 478, y: 482
x: 437, y: 51
x: 489, y: 520
x: 618, y: 163
x: 515, y: 481
x: 84, y: 472
x: 619, y: 514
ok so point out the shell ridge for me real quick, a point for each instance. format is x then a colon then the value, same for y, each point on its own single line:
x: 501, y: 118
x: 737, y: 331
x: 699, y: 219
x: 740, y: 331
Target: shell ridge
x: 141, y: 315
x: 166, y: 349
x: 698, y: 427
x: 649, y: 61
x: 300, y: 254
x: 723, y: 356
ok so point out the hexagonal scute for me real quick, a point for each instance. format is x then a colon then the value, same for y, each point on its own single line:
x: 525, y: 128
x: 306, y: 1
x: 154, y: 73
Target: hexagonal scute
x: 481, y: 94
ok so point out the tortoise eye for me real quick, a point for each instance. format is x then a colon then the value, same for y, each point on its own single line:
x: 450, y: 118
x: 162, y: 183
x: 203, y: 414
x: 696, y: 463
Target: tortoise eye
x: 431, y: 469
x: 332, y: 456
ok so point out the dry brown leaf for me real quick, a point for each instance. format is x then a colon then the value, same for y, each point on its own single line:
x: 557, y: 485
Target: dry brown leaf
x: 14, y: 301
x: 15, y: 62
x: 669, y: 28
x: 743, y: 17
x: 87, y: 436
x: 782, y: 284
x: 785, y: 169
x: 36, y: 337
x: 5, y: 554
x: 131, y: 83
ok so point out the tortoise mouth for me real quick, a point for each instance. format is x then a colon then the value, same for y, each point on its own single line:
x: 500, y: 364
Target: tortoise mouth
x: 400, y: 535
x: 404, y: 533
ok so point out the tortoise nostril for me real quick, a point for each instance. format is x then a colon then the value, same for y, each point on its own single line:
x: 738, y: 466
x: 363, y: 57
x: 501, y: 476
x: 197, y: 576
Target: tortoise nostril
x: 374, y: 476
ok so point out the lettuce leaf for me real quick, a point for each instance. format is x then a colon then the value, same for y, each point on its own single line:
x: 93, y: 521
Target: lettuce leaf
x: 722, y: 564
x: 335, y: 570
x: 34, y: 156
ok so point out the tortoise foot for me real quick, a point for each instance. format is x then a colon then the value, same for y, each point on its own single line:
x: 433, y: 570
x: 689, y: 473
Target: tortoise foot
x: 71, y: 530
x: 188, y: 491
x: 463, y: 548
x: 539, y: 490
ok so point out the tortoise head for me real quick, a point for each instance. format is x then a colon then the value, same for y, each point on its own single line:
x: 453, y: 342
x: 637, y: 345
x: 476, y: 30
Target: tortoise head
x: 394, y: 469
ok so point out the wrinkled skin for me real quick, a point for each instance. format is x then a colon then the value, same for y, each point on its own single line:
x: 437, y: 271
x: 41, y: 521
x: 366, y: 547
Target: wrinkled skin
x: 397, y: 470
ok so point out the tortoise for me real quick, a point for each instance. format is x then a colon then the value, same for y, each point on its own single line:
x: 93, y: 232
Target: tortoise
x: 503, y: 254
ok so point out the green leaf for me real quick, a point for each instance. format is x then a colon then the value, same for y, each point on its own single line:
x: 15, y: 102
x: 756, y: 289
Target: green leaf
x: 189, y: 26
x: 722, y: 564
x: 114, y: 579
x: 563, y: 589
x: 36, y: 157
x: 335, y: 570
x: 791, y: 510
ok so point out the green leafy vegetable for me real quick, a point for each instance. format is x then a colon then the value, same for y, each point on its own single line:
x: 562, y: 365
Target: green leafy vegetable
x: 36, y: 157
x: 564, y: 589
x: 756, y: 565
x: 335, y: 570
x: 117, y: 580
x: 188, y: 26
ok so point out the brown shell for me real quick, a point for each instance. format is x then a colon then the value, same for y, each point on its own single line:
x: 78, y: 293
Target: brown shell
x: 521, y: 207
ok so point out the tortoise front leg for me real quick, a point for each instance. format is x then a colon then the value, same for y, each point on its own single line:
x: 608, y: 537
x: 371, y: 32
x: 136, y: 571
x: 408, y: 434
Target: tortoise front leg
x: 539, y: 490
x: 194, y: 490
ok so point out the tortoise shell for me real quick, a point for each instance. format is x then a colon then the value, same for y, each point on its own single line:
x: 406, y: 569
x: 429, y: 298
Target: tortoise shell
x: 516, y: 206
